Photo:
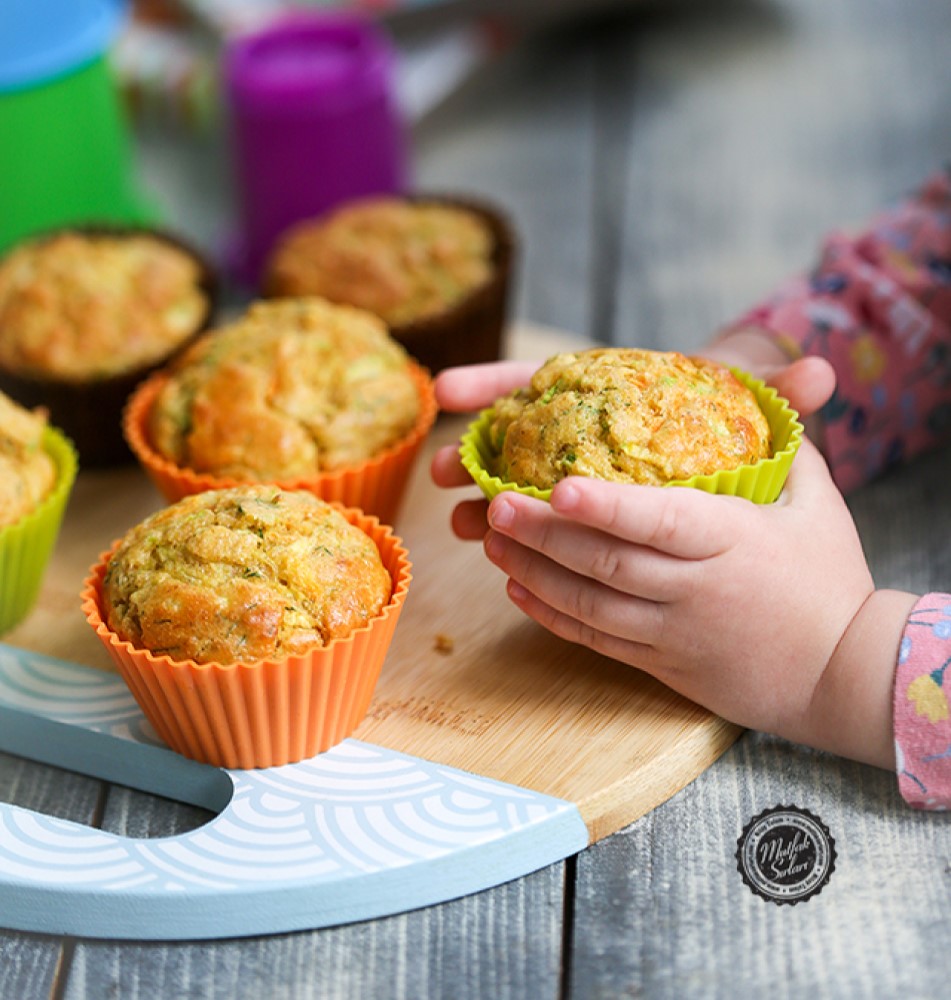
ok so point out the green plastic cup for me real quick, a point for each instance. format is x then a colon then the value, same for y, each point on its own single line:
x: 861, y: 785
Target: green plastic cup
x: 65, y: 155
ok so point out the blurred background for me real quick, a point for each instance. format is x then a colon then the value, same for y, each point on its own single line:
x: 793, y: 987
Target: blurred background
x: 665, y: 162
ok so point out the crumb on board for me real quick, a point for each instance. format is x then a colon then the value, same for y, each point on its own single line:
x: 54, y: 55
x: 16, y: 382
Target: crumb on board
x: 444, y: 643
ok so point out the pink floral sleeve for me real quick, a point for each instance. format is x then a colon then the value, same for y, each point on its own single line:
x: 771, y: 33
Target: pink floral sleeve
x: 878, y: 306
x: 921, y: 716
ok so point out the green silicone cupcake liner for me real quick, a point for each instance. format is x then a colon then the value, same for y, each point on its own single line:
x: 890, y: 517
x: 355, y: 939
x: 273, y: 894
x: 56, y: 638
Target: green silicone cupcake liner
x: 761, y: 482
x: 26, y: 545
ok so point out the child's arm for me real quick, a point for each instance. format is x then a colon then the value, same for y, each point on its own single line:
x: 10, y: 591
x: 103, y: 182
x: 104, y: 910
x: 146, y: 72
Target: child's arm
x: 921, y: 713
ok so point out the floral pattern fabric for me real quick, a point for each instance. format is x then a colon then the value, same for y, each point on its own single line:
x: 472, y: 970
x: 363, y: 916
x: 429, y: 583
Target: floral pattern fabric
x: 878, y: 307
x: 922, y: 720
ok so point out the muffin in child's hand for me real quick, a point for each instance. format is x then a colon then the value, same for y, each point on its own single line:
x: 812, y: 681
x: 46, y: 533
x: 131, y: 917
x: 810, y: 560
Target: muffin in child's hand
x: 626, y: 415
x: 636, y: 416
x: 250, y: 624
x: 434, y: 269
x: 37, y: 470
x: 86, y: 315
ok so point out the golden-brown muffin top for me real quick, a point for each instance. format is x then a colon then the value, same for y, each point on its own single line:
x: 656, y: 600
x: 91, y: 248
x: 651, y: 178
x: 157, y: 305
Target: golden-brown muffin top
x: 240, y: 575
x: 78, y: 307
x: 293, y: 388
x: 402, y: 260
x: 627, y: 415
x: 27, y: 472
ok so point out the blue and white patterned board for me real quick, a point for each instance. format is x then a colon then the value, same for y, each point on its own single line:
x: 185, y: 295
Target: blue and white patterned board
x: 355, y: 833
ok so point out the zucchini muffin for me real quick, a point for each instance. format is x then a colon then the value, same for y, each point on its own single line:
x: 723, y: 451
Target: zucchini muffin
x: 80, y: 306
x: 435, y: 270
x: 27, y: 471
x: 85, y: 315
x: 402, y: 260
x: 627, y: 415
x: 293, y: 388
x: 243, y: 575
x: 250, y: 624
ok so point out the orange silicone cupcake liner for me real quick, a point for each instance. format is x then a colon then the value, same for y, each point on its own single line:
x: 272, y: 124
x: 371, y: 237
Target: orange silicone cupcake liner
x: 271, y: 712
x: 376, y: 486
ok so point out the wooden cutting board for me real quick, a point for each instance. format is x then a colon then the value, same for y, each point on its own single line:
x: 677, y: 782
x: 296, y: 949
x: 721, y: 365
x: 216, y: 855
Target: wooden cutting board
x: 469, y: 681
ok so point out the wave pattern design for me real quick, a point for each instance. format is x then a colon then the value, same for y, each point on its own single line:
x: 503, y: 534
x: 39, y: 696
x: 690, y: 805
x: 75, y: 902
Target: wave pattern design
x: 352, y: 811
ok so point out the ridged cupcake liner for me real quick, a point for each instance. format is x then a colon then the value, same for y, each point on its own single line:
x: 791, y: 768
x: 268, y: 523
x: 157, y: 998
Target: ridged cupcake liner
x: 761, y: 482
x: 268, y: 713
x: 90, y: 412
x: 376, y: 486
x: 26, y: 546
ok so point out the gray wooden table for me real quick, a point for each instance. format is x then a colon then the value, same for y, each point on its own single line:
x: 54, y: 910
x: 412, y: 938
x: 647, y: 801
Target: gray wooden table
x: 664, y: 168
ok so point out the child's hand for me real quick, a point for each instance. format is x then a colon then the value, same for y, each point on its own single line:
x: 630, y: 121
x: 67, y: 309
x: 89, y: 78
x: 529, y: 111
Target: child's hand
x: 764, y: 614
x: 739, y: 607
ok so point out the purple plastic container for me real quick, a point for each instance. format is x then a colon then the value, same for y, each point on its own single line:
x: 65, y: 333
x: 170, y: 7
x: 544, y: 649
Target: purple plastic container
x: 314, y: 122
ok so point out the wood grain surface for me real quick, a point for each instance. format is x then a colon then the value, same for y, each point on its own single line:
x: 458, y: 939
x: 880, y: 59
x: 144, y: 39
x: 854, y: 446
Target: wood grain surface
x: 469, y: 681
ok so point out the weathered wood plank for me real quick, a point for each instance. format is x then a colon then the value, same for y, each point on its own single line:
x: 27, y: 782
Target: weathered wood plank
x: 503, y: 943
x: 755, y: 130
x: 661, y: 910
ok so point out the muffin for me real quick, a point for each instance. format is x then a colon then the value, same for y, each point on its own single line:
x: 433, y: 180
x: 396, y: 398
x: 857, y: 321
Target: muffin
x: 298, y: 392
x: 27, y: 471
x: 635, y: 416
x: 250, y: 623
x: 86, y: 314
x: 435, y: 270
x: 37, y: 469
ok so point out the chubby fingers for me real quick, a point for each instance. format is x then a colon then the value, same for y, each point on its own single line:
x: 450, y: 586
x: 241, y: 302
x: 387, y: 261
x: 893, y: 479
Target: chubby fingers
x: 538, y: 582
x: 523, y: 527
x: 446, y: 470
x: 461, y: 390
x: 468, y: 520
x: 810, y: 484
x: 677, y: 521
x: 807, y: 383
x: 565, y: 627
